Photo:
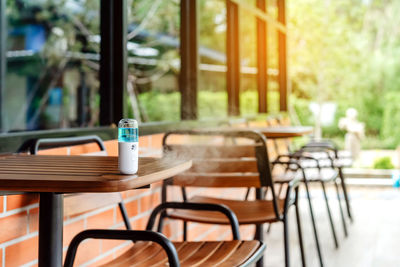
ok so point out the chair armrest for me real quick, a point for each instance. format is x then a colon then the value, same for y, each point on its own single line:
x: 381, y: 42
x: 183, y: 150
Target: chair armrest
x: 197, y: 206
x: 164, y: 242
x: 295, y: 159
x: 318, y: 146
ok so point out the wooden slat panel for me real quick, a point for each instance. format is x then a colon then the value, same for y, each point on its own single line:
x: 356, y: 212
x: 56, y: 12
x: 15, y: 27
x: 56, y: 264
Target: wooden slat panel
x: 242, y: 253
x: 198, y: 258
x: 247, y: 212
x: 159, y: 259
x: 212, y: 151
x: 218, y: 179
x: 226, y: 250
x: 210, y: 253
x: 67, y: 173
x: 224, y: 165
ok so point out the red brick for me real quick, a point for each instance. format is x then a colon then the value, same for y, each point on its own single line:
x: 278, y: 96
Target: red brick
x: 13, y: 226
x: 139, y: 224
x: 70, y: 230
x: 102, y: 220
x: 144, y: 141
x: 132, y: 208
x: 33, y: 220
x: 173, y: 228
x: 22, y: 252
x: 156, y: 141
x: 112, y: 147
x: 110, y: 244
x: 149, y: 202
x: 102, y: 261
x: 1, y: 203
x: 54, y: 151
x: 87, y: 251
x: 19, y: 201
x: 82, y: 149
x: 136, y: 192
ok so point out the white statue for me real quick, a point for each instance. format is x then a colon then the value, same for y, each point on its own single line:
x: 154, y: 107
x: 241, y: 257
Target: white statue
x: 355, y: 132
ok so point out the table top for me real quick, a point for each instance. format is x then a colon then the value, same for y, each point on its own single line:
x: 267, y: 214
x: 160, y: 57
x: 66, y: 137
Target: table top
x: 70, y: 174
x: 283, y: 131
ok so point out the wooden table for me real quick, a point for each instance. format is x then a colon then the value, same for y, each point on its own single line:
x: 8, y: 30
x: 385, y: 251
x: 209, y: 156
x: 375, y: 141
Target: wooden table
x: 283, y: 131
x: 51, y: 176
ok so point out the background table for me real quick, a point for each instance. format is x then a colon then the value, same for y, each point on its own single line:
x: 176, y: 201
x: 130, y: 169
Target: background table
x: 51, y: 176
x: 283, y: 131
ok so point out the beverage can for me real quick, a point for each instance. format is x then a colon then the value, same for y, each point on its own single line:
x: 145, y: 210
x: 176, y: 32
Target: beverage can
x: 128, y: 146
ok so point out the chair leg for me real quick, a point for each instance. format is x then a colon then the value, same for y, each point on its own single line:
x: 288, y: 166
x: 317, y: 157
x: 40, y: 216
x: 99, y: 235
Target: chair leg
x: 286, y: 240
x: 160, y: 223
x: 184, y: 231
x: 279, y: 194
x: 269, y: 228
x: 299, y: 232
x: 259, y: 236
x: 341, y: 210
x: 321, y: 263
x: 330, y: 215
x: 346, y: 197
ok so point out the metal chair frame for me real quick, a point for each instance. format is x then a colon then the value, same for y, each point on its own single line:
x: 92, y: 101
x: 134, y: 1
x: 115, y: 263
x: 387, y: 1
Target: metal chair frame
x: 266, y: 181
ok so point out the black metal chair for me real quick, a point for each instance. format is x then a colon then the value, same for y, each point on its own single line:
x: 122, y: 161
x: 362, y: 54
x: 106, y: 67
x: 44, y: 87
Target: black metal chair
x: 328, y: 154
x: 154, y: 249
x: 231, y: 159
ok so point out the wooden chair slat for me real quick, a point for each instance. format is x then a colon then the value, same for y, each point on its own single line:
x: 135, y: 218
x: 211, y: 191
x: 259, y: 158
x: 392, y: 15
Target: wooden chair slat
x: 217, y: 180
x: 241, y: 254
x: 135, y: 250
x: 225, y: 165
x: 199, y: 258
x: 226, y: 250
x: 247, y: 212
x: 159, y: 259
x: 189, y: 249
x: 214, y: 151
x: 193, y: 254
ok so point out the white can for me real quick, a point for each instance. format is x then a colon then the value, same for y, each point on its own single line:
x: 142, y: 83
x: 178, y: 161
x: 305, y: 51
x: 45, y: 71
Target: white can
x: 128, y: 146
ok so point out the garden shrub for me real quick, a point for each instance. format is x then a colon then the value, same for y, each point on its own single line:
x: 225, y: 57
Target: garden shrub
x: 383, y: 163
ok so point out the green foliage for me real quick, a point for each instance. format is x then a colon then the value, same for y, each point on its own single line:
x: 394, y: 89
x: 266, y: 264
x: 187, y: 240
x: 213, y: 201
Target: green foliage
x: 383, y: 163
x: 349, y: 56
x: 161, y: 106
x: 391, y: 118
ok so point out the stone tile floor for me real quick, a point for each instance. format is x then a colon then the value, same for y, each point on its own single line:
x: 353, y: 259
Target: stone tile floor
x: 374, y: 236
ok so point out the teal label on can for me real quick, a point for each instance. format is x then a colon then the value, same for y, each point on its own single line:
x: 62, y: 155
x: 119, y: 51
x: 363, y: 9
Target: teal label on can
x: 128, y: 135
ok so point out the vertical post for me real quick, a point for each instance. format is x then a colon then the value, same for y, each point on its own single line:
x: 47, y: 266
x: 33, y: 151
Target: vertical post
x: 3, y: 58
x: 189, y: 59
x: 233, y: 58
x: 113, y: 66
x: 282, y: 58
x: 50, y: 229
x: 262, y: 60
x: 82, y: 100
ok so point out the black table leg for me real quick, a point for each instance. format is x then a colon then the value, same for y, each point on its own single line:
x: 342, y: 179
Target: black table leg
x: 50, y: 230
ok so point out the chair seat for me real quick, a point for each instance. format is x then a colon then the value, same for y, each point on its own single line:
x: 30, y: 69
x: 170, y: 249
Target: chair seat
x: 312, y: 175
x: 247, y: 212
x: 206, y: 253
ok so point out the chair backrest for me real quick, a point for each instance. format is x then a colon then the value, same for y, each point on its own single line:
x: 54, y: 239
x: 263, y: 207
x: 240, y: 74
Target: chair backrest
x: 233, y: 158
x: 78, y: 203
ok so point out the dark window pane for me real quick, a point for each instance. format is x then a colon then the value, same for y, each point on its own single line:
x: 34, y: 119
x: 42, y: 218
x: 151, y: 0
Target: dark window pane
x: 52, y: 64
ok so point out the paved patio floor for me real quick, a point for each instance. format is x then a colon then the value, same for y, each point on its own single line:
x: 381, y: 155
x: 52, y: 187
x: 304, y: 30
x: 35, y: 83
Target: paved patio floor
x: 374, y: 236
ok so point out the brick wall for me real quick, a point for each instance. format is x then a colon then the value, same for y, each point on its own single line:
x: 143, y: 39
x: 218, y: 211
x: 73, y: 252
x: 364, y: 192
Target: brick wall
x: 19, y: 217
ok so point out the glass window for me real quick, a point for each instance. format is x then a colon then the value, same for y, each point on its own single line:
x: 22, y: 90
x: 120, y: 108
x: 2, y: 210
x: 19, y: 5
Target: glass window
x: 52, y: 64
x: 153, y: 60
